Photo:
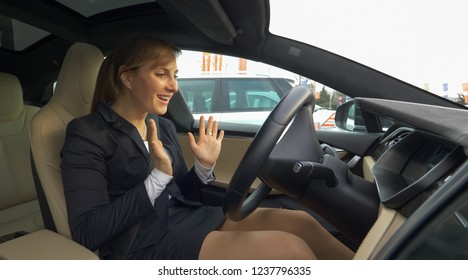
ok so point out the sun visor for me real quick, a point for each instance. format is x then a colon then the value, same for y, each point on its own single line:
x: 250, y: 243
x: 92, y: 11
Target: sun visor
x: 206, y: 15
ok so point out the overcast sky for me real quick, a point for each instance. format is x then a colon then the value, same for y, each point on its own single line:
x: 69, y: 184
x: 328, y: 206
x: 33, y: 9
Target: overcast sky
x: 420, y: 41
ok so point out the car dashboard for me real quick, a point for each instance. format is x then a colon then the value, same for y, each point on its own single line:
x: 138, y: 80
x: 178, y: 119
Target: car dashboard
x: 410, y: 162
x: 415, y: 158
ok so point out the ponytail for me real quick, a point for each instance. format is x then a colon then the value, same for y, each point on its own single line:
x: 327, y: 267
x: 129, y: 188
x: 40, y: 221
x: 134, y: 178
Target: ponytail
x: 106, y: 90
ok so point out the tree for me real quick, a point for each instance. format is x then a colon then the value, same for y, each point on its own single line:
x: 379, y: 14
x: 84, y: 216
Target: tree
x: 338, y: 98
x: 324, y: 98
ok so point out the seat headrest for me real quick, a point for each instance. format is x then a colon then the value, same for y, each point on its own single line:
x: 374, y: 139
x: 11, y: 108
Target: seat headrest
x: 11, y: 97
x: 77, y: 78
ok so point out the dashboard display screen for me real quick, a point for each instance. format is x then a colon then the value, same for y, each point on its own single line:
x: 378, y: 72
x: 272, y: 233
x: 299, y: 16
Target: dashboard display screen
x: 426, y: 157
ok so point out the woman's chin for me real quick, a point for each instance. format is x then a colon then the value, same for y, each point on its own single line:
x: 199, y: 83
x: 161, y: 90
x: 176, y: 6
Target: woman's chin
x: 158, y: 111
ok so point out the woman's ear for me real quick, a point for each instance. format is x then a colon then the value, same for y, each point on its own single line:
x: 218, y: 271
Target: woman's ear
x: 125, y: 77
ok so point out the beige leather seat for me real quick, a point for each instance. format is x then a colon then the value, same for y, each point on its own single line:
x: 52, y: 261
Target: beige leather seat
x: 72, y: 98
x: 19, y: 207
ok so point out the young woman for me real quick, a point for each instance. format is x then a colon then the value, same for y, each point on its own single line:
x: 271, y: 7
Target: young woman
x: 129, y: 193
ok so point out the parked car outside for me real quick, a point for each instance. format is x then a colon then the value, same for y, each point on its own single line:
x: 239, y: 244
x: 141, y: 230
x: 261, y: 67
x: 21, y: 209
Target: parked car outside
x: 246, y: 99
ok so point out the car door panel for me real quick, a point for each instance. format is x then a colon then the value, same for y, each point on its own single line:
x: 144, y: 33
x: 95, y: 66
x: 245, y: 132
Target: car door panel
x: 232, y: 152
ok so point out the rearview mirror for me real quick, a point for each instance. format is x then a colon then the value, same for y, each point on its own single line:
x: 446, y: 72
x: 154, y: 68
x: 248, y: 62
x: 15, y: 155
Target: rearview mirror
x: 348, y: 117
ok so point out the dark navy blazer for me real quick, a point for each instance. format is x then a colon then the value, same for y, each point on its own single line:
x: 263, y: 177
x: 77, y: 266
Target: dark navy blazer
x: 104, y: 165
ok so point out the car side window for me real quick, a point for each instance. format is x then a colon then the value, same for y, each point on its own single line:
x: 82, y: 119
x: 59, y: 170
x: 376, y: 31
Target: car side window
x: 198, y: 93
x: 446, y: 239
x: 245, y: 92
x: 251, y: 95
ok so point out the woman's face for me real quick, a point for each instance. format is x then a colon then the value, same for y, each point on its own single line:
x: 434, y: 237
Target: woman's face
x: 152, y: 86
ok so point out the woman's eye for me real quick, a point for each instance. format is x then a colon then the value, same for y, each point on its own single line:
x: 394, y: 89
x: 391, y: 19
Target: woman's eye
x: 161, y: 75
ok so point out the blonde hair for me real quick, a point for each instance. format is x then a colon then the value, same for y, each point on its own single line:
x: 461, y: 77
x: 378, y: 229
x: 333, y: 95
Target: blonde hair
x: 130, y: 53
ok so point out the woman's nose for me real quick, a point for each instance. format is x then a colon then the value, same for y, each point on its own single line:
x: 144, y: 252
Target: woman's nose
x: 172, y: 84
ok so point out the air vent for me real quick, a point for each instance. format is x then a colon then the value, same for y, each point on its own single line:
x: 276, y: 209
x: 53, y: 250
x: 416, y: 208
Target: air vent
x: 394, y: 141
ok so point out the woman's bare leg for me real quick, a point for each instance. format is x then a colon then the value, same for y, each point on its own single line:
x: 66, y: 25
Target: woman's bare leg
x: 259, y: 245
x: 300, y: 223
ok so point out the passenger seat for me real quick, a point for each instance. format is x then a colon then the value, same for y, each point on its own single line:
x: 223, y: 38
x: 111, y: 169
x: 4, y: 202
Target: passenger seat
x: 19, y: 207
x: 72, y: 98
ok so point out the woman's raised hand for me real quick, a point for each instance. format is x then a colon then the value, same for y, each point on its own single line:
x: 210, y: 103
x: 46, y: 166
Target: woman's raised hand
x: 208, y: 146
x: 160, y: 158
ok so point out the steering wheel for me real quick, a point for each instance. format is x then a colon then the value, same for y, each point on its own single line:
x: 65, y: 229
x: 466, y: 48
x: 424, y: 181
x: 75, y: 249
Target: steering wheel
x: 236, y: 207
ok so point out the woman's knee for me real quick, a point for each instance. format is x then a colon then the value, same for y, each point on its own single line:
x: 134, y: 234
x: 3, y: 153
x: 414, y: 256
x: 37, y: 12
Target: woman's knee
x: 304, y: 221
x: 288, y: 246
x: 303, y: 216
x: 255, y: 245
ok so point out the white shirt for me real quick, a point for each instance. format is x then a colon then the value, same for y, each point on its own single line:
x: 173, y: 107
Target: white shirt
x: 158, y: 180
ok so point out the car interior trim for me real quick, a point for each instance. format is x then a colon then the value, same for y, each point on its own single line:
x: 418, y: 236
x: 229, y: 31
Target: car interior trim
x: 368, y: 164
x: 387, y: 223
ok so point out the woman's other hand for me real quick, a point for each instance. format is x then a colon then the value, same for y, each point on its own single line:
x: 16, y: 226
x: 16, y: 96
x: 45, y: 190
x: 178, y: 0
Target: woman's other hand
x: 160, y: 158
x: 208, y: 146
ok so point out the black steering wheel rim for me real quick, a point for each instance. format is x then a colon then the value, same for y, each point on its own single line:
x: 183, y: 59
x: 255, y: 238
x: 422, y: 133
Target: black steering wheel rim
x: 236, y: 207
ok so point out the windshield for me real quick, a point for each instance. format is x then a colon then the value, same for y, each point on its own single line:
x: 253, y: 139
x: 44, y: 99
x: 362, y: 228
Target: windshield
x: 422, y: 42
